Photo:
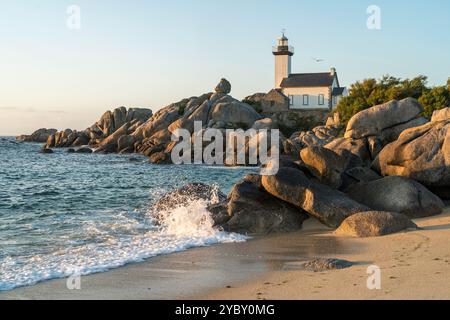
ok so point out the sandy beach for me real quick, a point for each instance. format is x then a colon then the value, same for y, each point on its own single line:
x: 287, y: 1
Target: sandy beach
x: 414, y: 265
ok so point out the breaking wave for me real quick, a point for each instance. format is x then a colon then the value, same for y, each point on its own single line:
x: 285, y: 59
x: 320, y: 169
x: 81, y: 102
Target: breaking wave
x: 116, y: 239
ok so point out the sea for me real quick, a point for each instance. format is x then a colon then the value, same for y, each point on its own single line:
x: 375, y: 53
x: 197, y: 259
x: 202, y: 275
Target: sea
x: 63, y: 213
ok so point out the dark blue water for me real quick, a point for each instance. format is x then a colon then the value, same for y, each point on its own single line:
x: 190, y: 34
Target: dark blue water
x: 64, y: 213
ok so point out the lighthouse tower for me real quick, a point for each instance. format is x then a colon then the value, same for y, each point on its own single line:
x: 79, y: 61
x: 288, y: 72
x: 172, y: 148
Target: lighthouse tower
x: 283, y: 54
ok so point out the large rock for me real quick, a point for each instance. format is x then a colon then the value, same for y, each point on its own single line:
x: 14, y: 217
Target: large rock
x: 319, y: 136
x: 104, y: 134
x: 265, y: 124
x: 362, y: 174
x: 330, y: 206
x: 391, y: 134
x: 374, y: 224
x: 397, y: 194
x: 254, y: 211
x: 189, y: 193
x: 237, y: 114
x: 113, y: 120
x: 441, y: 115
x: 358, y: 147
x: 40, y: 136
x: 372, y: 121
x: 162, y: 119
x: 110, y: 144
x: 125, y: 144
x: 422, y: 154
x: 223, y: 87
x: 325, y: 164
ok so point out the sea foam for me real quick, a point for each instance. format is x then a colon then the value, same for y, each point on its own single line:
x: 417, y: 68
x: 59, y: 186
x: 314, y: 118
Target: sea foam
x: 111, y: 244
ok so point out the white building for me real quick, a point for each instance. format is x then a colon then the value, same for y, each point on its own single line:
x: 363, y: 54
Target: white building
x: 306, y: 91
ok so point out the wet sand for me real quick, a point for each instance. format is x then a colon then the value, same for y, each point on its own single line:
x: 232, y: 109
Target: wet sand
x: 414, y: 265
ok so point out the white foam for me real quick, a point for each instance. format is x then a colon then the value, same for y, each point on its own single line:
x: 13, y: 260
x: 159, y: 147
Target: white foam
x: 180, y: 229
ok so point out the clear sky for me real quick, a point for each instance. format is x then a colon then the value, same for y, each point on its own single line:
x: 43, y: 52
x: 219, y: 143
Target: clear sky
x: 151, y: 53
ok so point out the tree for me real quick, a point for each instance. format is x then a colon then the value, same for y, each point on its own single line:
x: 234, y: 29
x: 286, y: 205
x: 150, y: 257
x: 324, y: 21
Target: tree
x: 435, y: 99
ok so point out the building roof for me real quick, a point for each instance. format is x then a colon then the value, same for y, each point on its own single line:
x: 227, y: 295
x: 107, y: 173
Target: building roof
x: 324, y: 79
x: 338, y: 91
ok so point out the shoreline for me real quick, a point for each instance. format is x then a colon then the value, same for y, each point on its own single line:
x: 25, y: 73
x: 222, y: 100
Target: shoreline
x: 414, y: 265
x: 198, y: 270
x: 268, y: 268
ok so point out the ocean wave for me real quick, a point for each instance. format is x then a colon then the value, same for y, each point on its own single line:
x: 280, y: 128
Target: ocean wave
x: 112, y: 244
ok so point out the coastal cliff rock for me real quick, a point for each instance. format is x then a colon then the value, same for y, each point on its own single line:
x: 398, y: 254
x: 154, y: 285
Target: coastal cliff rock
x: 328, y: 205
x: 422, y: 154
x: 397, y: 194
x: 357, y: 147
x: 374, y: 224
x: 441, y: 115
x: 214, y: 110
x: 105, y: 133
x: 373, y: 121
x: 326, y: 165
x: 253, y: 211
x: 39, y: 136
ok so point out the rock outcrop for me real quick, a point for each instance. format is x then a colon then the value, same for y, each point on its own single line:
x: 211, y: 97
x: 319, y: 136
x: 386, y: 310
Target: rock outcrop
x: 224, y: 87
x: 328, y: 205
x: 326, y: 165
x: 441, y: 115
x: 373, y: 121
x: 105, y: 133
x: 318, y: 136
x: 253, y: 211
x: 397, y: 194
x: 247, y: 210
x: 214, y: 110
x: 374, y: 224
x: 39, y: 136
x: 189, y: 193
x: 422, y: 154
x: 357, y: 147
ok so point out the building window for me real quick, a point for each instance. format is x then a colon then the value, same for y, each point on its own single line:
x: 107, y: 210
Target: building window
x: 291, y: 100
x: 321, y: 99
x: 305, y: 99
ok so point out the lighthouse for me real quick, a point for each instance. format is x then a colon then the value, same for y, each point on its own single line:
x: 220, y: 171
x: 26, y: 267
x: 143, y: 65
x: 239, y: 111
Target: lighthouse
x: 283, y: 55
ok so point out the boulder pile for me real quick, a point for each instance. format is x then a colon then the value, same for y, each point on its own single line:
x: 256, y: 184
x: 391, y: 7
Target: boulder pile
x: 391, y: 166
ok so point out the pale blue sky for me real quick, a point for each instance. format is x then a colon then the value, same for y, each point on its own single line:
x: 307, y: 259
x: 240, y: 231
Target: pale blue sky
x: 151, y: 53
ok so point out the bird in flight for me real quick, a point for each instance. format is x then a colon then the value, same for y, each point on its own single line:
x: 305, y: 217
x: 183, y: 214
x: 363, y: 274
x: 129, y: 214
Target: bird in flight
x: 317, y: 60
